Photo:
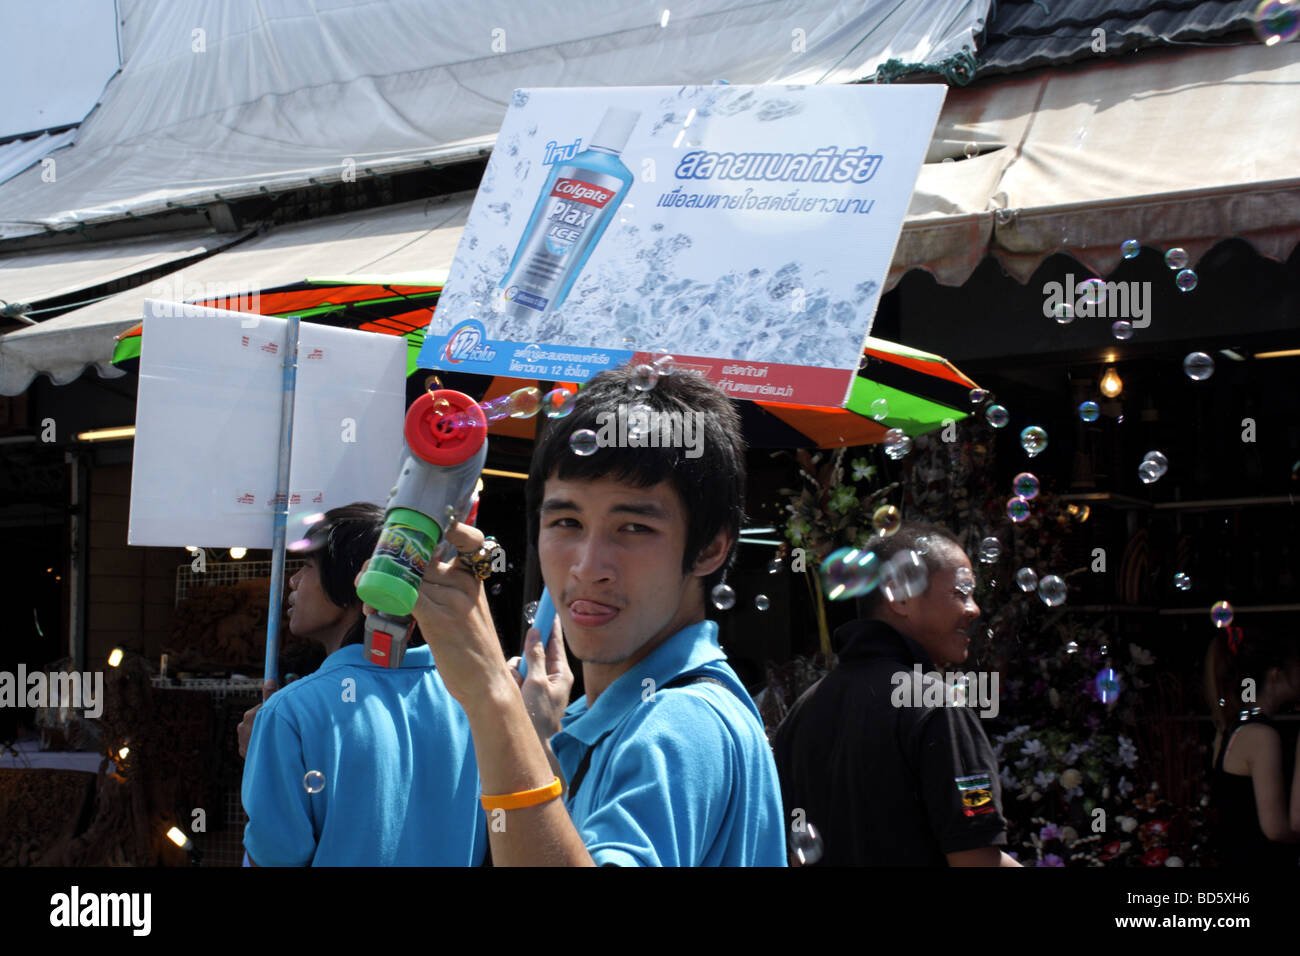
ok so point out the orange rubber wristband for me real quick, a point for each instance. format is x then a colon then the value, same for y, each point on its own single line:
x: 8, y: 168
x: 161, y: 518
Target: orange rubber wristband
x: 524, y: 798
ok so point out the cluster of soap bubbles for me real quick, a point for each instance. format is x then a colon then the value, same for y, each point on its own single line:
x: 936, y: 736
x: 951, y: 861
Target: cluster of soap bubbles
x: 1182, y: 581
x: 852, y: 572
x: 1153, y: 467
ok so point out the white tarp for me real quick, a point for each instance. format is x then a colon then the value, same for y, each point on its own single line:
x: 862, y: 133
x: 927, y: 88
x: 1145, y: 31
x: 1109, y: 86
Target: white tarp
x: 19, y: 154
x: 230, y: 98
x: 207, y: 440
x: 46, y: 273
x: 58, y: 54
x: 417, y: 237
x: 1184, y: 148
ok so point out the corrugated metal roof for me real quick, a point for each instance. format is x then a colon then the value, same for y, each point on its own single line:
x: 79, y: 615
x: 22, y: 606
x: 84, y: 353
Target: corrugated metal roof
x: 1024, y: 34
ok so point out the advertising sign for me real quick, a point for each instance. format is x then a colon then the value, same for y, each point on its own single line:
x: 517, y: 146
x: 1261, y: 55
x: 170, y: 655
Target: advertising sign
x: 745, y: 230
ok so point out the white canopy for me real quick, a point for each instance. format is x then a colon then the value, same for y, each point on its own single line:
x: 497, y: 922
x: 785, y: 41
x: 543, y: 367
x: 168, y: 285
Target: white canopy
x: 1174, y: 149
x: 223, y: 100
x: 46, y: 273
x: 403, y: 242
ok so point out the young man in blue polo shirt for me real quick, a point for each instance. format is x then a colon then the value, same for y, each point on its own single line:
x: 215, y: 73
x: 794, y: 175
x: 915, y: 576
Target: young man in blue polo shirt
x: 664, y: 761
x: 355, y: 764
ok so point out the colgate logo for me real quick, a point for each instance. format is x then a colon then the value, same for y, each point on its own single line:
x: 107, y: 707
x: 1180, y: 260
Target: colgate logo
x: 582, y: 192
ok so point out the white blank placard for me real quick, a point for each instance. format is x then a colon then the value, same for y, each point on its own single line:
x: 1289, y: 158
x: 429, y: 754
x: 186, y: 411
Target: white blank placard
x: 208, y: 424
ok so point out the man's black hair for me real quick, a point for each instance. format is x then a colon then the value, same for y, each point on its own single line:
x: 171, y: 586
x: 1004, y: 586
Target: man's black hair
x: 906, y: 538
x: 712, y: 486
x: 339, y: 545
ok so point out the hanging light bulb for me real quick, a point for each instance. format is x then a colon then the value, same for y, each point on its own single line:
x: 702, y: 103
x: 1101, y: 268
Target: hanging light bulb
x: 115, y: 657
x: 1111, y: 383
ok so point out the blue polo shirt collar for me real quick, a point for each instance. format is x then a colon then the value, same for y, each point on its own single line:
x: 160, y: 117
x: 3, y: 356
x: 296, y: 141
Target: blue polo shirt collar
x: 354, y: 655
x: 690, y: 648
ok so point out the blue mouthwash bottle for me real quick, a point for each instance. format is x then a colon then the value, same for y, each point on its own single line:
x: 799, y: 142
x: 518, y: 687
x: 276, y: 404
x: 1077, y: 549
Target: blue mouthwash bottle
x: 576, y: 205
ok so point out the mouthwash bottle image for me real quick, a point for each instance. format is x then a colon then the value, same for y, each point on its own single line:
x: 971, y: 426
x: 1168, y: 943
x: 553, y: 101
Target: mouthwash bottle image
x: 575, y: 207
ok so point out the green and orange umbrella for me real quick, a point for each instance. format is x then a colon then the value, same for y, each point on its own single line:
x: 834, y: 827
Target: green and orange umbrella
x: 920, y: 390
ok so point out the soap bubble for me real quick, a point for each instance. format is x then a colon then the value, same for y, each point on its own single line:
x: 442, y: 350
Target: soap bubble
x: 1130, y: 248
x: 1025, y: 485
x: 879, y: 409
x: 921, y: 545
x: 1159, y: 460
x: 647, y: 377
x: 724, y: 598
x: 1052, y: 591
x: 978, y: 395
x: 761, y: 602
x: 1185, y: 280
x: 1277, y: 21
x: 775, y: 566
x: 558, y: 402
x: 1176, y: 258
x: 1033, y: 440
x: 1027, y: 579
x: 897, y: 443
x: 530, y: 612
x: 1221, y: 614
x: 1071, y: 647
x: 886, y: 520
x: 314, y: 781
x: 850, y: 572
x: 583, y: 442
x: 990, y: 550
x: 662, y: 361
x: 1092, y: 291
x: 1107, y: 684
x: 1017, y: 509
x: 997, y: 416
x: 1182, y: 581
x: 1198, y: 366
x: 1122, y: 330
x: 1089, y: 411
x: 1063, y: 313
x: 970, y: 150
x: 905, y: 576
x: 1149, y: 472
x: 524, y: 402
x: 805, y: 845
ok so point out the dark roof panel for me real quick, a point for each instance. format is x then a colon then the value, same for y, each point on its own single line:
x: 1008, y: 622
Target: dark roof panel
x: 1033, y: 33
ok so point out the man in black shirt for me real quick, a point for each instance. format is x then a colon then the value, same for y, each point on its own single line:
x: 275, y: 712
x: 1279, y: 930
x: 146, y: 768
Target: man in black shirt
x: 890, y: 770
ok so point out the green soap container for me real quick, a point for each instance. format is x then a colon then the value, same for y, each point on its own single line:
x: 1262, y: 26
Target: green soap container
x: 392, y: 581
